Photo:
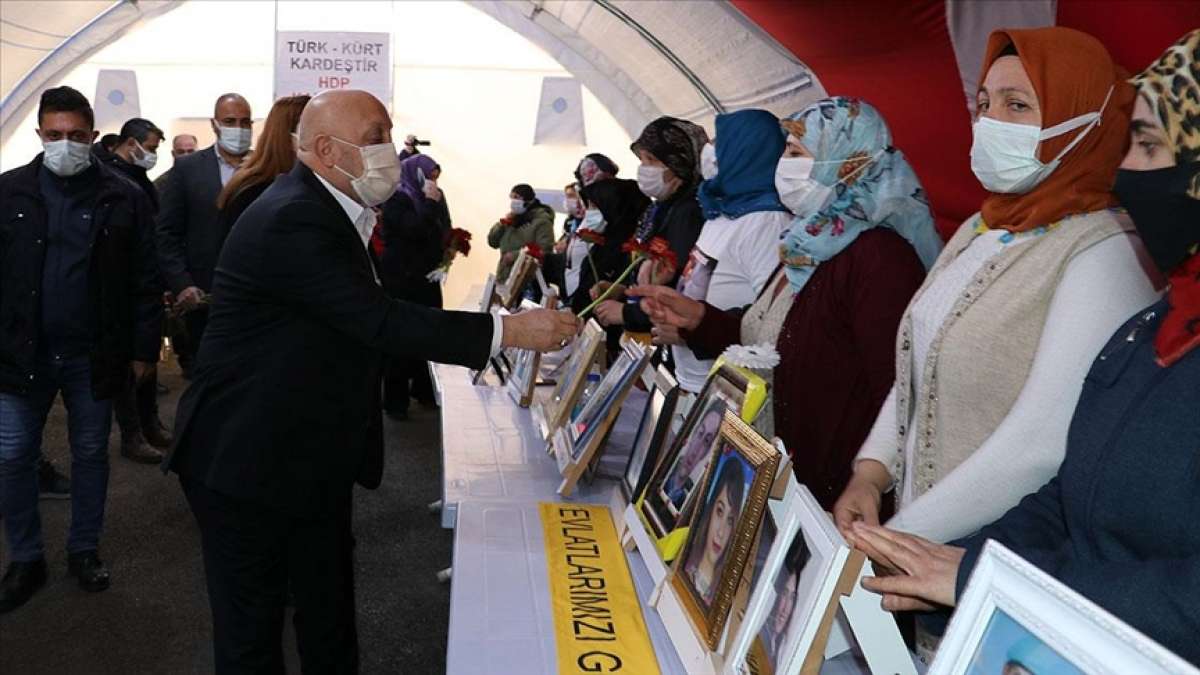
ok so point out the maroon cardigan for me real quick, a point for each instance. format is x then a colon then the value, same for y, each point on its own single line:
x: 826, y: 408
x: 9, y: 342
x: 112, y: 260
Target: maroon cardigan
x: 837, y: 354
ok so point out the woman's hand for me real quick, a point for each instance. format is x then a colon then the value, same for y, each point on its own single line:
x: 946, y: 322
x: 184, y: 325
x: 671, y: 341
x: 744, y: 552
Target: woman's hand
x: 610, y: 313
x: 862, y: 498
x: 509, y: 257
x: 600, y: 287
x: 560, y: 246
x: 922, y: 574
x: 665, y: 335
x: 668, y: 307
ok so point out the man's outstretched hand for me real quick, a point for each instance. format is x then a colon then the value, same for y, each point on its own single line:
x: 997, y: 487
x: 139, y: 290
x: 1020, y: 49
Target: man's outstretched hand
x: 545, y: 330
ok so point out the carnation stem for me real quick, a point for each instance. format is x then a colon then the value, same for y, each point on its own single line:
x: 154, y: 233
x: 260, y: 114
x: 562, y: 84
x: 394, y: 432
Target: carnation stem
x: 612, y: 287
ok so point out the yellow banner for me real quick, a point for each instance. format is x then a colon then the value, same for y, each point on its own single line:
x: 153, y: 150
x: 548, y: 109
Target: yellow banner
x: 598, y: 622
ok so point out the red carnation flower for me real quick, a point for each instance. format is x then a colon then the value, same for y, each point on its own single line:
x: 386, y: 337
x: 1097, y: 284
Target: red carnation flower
x: 534, y: 251
x: 632, y: 245
x: 591, y: 236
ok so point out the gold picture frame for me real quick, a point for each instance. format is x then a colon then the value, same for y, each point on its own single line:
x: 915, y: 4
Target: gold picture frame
x: 723, y: 528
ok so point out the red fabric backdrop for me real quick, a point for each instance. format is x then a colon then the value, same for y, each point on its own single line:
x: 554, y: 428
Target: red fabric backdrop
x: 898, y: 56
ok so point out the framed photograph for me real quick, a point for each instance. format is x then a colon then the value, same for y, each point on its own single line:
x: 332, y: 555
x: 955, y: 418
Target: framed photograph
x: 488, y: 298
x: 578, y: 443
x: 669, y: 490
x: 654, y: 430
x: 1016, y: 619
x: 523, y: 376
x: 518, y: 278
x: 732, y: 497
x: 794, y: 589
x: 550, y: 414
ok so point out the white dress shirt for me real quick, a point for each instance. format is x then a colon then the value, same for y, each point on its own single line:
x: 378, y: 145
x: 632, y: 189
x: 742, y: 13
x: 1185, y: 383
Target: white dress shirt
x: 223, y: 166
x: 363, y: 220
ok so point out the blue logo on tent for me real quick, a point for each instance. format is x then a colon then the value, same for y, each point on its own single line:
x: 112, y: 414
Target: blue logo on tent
x: 116, y: 97
x: 559, y: 105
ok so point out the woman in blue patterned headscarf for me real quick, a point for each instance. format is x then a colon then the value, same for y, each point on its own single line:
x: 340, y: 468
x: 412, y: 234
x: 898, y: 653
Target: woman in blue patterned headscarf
x: 857, y: 248
x: 841, y: 176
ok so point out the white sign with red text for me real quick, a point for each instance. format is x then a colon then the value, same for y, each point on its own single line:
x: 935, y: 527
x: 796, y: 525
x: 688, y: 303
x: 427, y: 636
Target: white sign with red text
x: 310, y: 62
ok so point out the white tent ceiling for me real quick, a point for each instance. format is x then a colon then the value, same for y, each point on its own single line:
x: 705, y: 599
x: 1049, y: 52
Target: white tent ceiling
x: 641, y: 59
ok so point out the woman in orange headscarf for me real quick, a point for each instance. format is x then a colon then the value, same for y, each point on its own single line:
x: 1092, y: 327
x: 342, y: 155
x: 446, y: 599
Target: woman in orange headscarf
x: 993, y: 348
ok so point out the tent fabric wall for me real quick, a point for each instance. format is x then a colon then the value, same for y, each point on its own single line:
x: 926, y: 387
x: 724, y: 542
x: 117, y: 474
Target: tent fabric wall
x: 902, y: 57
x: 899, y: 57
x: 102, y: 29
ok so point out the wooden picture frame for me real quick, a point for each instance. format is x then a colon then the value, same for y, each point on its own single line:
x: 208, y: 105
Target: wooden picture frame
x: 654, y: 429
x: 577, y: 444
x: 725, y: 523
x: 665, y: 503
x: 526, y: 363
x: 518, y: 277
x: 1011, y: 611
x: 550, y: 414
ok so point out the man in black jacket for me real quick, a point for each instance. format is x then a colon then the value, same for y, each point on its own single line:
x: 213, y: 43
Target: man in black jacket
x: 283, y: 415
x: 136, y: 407
x: 78, y: 306
x: 189, y: 231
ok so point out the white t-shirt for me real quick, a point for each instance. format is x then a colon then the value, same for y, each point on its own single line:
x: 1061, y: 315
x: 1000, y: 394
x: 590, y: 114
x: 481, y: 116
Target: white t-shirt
x: 730, y: 264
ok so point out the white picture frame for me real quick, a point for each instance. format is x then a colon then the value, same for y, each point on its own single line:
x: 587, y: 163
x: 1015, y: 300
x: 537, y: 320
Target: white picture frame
x: 817, y: 587
x: 1049, y: 616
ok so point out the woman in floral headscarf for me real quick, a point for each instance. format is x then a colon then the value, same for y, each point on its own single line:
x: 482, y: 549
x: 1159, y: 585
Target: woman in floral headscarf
x: 860, y: 240
x: 1118, y: 521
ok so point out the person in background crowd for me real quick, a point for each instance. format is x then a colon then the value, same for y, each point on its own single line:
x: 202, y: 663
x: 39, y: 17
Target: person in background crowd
x: 143, y: 436
x: 1117, y: 523
x: 275, y: 155
x: 189, y: 231
x: 283, y: 417
x: 79, y: 308
x: 414, y: 228
x: 861, y: 218
x: 182, y: 144
x: 557, y: 263
x: 738, y: 247
x: 595, y: 167
x: 669, y: 173
x: 615, y: 207
x: 104, y: 147
x: 410, y: 148
x: 992, y: 349
x: 528, y: 222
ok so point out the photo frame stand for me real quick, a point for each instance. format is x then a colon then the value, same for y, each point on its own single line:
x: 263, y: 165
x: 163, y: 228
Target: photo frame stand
x: 637, y: 537
x: 695, y: 656
x: 874, y: 629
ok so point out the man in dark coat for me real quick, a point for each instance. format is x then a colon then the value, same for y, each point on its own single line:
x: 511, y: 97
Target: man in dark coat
x: 136, y: 407
x: 78, y: 307
x: 189, y: 231
x: 283, y: 415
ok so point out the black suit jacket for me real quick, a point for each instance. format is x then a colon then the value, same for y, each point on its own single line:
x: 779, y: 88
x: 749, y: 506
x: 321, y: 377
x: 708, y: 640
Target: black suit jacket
x: 284, y: 406
x: 189, y: 231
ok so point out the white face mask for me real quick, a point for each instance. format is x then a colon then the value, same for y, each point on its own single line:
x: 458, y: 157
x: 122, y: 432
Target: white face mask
x: 650, y: 180
x: 802, y: 195
x: 570, y: 205
x: 234, y: 140
x: 66, y: 158
x: 517, y: 206
x: 147, y: 159
x: 1004, y: 155
x: 593, y: 220
x: 708, y: 161
x: 381, y: 172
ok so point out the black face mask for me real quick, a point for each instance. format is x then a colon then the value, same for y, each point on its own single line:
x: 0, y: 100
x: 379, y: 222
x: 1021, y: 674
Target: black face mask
x: 1165, y: 216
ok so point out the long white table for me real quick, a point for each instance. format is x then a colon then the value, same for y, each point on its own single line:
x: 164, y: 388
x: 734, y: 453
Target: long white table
x: 495, y: 472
